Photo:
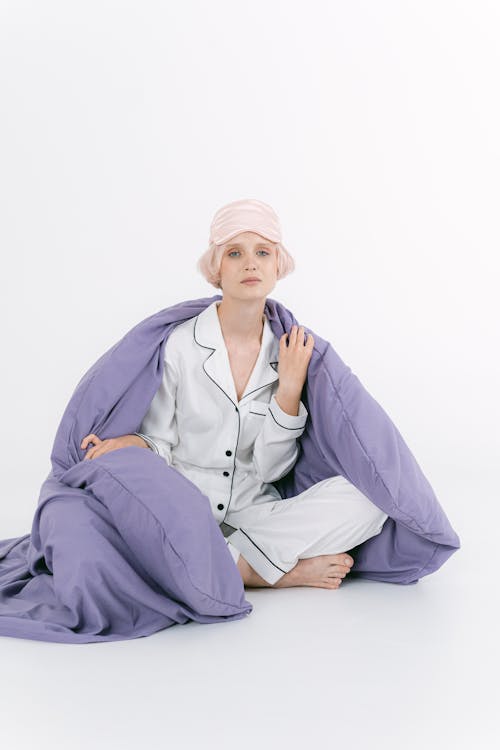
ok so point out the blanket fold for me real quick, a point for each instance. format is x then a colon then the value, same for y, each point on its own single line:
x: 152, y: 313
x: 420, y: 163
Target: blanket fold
x: 123, y: 545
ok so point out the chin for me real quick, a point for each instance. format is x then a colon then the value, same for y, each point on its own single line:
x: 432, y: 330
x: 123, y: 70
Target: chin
x: 252, y: 287
x: 252, y: 292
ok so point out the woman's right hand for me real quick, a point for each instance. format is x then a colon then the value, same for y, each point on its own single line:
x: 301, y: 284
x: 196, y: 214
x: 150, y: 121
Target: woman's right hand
x: 111, y: 444
x: 294, y: 359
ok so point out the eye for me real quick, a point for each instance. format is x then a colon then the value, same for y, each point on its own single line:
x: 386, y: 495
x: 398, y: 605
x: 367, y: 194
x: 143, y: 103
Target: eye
x: 230, y: 253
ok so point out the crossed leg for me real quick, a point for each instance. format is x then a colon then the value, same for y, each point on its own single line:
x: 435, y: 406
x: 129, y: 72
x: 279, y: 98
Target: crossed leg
x: 297, y: 536
x: 323, y: 571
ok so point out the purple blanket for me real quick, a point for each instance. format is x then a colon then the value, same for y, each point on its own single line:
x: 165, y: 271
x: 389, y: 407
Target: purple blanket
x: 123, y: 545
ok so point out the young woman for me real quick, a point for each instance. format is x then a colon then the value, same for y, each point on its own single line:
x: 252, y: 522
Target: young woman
x: 228, y: 416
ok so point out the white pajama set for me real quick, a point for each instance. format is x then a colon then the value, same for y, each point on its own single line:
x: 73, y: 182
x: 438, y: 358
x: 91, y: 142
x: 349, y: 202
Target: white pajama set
x: 232, y: 450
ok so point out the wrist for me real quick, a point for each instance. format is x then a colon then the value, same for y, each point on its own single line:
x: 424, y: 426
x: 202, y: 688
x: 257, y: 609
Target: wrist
x: 136, y: 440
x: 288, y: 401
x: 289, y: 390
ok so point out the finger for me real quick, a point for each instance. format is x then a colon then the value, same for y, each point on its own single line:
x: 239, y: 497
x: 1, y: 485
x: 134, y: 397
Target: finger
x: 99, y: 452
x: 92, y: 453
x: 103, y: 447
x: 299, y: 336
x: 89, y: 439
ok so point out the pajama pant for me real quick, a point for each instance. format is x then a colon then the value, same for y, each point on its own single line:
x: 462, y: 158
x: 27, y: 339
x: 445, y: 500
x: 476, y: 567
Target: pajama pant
x: 329, y: 517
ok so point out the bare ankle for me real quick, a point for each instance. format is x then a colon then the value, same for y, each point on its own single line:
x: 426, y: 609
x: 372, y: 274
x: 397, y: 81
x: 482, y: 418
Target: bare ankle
x: 253, y: 580
x: 289, y: 579
x: 250, y: 577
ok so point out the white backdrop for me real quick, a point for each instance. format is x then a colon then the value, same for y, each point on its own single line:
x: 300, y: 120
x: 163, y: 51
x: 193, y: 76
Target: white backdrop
x: 370, y: 127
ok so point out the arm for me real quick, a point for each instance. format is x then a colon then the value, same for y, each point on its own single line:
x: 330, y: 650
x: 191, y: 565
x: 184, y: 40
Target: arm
x: 159, y: 427
x: 275, y: 448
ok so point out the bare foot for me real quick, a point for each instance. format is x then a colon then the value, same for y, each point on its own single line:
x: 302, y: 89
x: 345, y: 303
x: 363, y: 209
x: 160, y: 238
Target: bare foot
x: 323, y: 571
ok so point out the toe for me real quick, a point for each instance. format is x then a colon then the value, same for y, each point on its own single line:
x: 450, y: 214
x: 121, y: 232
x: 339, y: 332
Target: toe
x: 339, y: 571
x: 342, y: 558
x: 333, y: 583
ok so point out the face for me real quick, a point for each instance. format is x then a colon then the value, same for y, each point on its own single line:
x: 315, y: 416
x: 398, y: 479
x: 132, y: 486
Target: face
x: 248, y: 255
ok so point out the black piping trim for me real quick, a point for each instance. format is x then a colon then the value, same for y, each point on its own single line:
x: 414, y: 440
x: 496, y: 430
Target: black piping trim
x: 283, y: 426
x: 237, y: 411
x: 274, y: 362
x: 262, y: 551
x: 255, y: 389
x: 150, y: 442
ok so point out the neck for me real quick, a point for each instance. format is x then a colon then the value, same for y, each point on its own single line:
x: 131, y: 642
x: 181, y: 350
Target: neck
x: 241, y: 322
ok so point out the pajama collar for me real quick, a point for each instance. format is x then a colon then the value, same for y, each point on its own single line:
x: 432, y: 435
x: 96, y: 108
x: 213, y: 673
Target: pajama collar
x: 208, y: 334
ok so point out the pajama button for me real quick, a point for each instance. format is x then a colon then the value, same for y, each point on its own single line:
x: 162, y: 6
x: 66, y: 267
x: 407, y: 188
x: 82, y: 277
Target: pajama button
x: 220, y: 506
x: 228, y: 453
x: 226, y: 473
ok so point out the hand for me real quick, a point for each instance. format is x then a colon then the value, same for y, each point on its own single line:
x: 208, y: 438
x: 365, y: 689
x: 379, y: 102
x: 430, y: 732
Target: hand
x: 294, y: 359
x: 111, y: 444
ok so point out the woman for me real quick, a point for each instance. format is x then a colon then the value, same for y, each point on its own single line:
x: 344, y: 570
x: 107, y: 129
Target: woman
x: 230, y: 422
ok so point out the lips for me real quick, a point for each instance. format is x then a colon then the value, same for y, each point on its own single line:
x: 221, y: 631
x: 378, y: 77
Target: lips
x: 252, y: 278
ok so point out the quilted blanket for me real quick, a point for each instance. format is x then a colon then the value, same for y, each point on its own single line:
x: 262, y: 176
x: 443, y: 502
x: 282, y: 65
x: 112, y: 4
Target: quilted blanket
x: 123, y: 545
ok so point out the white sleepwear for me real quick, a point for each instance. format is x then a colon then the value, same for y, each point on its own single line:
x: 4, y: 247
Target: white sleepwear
x: 232, y: 450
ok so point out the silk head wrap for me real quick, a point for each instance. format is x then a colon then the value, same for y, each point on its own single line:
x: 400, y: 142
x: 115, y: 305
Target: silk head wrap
x: 248, y: 215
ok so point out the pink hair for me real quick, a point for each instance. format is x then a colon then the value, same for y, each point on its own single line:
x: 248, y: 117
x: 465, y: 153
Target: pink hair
x: 209, y: 263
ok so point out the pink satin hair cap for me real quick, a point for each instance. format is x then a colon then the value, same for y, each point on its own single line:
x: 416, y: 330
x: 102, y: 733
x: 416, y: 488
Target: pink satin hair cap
x: 247, y: 215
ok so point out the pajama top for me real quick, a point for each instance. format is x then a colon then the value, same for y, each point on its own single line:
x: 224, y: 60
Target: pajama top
x: 231, y: 450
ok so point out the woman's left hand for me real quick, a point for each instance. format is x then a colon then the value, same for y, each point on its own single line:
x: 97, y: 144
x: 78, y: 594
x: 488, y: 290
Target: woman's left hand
x: 294, y: 359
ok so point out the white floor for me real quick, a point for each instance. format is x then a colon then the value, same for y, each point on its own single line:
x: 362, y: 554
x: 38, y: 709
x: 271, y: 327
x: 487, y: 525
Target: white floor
x: 371, y: 665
